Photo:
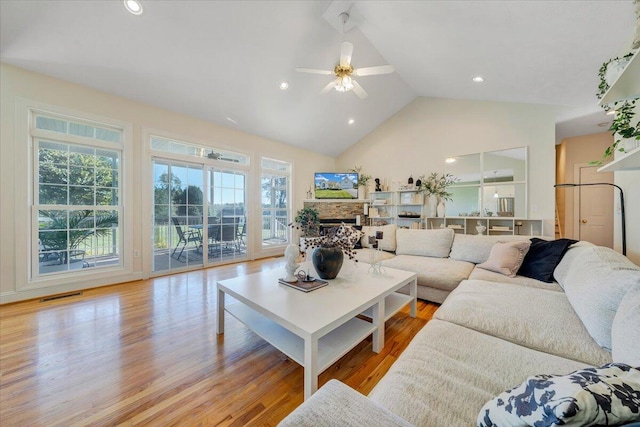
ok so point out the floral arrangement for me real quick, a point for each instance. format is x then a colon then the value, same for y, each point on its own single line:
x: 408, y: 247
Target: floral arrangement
x: 434, y: 185
x: 344, y: 237
x: 363, y: 178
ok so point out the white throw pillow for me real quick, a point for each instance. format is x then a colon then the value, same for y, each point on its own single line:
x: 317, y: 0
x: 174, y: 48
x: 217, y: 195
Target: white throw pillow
x: 506, y: 257
x: 625, y: 332
x: 388, y: 242
x: 432, y: 243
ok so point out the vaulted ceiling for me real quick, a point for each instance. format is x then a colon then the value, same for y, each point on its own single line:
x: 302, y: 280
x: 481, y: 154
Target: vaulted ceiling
x: 223, y: 61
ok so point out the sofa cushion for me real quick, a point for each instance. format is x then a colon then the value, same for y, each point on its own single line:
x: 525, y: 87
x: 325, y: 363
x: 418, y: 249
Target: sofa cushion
x: 543, y: 257
x: 596, y: 282
x: 428, y: 243
x: 625, y: 332
x: 491, y: 276
x: 476, y: 249
x: 440, y: 273
x: 448, y: 372
x: 506, y: 257
x: 535, y: 318
x: 609, y: 395
x: 388, y: 241
x: 574, y: 251
x: 368, y: 255
x: 336, y: 404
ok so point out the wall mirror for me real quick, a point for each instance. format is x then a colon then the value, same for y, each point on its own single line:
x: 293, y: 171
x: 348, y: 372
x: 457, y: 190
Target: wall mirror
x: 490, y: 184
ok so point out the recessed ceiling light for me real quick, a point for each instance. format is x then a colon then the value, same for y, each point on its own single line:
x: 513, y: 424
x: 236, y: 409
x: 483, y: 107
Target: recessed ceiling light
x: 611, y: 112
x: 603, y: 124
x: 450, y: 159
x: 478, y: 79
x: 284, y: 85
x: 229, y: 119
x: 133, y: 6
x: 351, y: 121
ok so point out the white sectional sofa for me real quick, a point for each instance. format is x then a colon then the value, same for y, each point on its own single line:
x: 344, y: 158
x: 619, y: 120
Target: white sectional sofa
x: 490, y: 334
x: 441, y: 258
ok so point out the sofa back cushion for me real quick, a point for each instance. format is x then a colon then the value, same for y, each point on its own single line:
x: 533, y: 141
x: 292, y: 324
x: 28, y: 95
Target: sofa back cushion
x: 596, y: 282
x: 625, y: 332
x: 388, y: 241
x: 433, y: 243
x: 574, y: 251
x: 476, y: 249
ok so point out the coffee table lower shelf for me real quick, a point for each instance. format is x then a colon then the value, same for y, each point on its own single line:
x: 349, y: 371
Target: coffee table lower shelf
x: 331, y: 346
x: 392, y: 304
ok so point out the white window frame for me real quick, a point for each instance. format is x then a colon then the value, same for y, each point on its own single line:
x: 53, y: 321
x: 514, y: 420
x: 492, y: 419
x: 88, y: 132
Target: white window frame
x: 288, y: 174
x: 27, y: 277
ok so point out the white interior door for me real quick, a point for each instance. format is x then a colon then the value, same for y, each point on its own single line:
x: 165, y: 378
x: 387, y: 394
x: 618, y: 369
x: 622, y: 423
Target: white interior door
x: 595, y: 214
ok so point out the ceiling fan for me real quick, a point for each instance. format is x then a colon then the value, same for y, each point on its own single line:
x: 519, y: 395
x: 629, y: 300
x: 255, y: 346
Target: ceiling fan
x: 344, y: 71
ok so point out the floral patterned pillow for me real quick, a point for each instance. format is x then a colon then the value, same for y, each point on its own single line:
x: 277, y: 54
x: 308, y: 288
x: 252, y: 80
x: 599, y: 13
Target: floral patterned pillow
x: 609, y: 395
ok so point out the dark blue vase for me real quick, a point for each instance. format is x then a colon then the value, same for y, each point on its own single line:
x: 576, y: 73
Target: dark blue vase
x: 327, y: 261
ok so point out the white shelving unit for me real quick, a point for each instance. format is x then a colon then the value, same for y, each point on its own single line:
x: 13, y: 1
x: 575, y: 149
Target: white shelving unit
x: 495, y: 226
x: 626, y: 86
x: 402, y: 207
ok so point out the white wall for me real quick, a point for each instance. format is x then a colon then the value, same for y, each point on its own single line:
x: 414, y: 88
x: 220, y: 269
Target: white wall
x: 18, y: 86
x: 417, y: 139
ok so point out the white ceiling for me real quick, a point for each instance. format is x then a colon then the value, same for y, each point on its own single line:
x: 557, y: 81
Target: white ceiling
x: 225, y: 59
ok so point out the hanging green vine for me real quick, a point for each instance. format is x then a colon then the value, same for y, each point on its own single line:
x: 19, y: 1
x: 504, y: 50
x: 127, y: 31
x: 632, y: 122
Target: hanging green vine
x: 622, y: 126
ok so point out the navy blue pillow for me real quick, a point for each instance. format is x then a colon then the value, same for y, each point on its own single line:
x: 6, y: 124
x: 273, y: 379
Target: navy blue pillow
x: 543, y: 257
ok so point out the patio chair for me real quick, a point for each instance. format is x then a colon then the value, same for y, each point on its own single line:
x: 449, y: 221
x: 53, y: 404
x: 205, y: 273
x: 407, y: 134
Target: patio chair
x: 185, y: 238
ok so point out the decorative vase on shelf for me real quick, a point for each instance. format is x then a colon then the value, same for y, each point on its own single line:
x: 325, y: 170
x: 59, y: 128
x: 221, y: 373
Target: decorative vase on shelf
x: 327, y: 260
x: 440, y: 209
x: 432, y: 204
x: 362, y: 192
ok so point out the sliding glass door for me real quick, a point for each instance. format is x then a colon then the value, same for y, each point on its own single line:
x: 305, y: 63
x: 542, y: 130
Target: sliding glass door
x: 226, y: 215
x: 177, y: 215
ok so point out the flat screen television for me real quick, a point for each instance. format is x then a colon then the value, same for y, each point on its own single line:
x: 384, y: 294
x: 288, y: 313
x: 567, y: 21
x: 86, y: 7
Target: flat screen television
x: 331, y: 185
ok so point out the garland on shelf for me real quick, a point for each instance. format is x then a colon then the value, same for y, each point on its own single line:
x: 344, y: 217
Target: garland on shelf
x: 622, y: 126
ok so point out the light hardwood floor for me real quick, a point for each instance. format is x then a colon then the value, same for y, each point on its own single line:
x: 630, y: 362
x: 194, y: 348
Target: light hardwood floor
x: 146, y: 353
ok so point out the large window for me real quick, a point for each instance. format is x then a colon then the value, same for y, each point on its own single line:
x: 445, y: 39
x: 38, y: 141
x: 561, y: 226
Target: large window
x: 77, y: 195
x: 275, y: 202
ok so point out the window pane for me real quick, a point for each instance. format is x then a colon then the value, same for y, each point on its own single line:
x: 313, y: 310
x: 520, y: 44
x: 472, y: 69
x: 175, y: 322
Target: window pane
x: 49, y: 173
x: 52, y: 195
x: 108, y: 135
x: 80, y: 195
x: 82, y: 156
x: 48, y: 123
x: 106, y: 196
x: 81, y: 175
x: 106, y: 177
x: 81, y: 130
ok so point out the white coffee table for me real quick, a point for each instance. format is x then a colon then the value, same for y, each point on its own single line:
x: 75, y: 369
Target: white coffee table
x: 317, y: 328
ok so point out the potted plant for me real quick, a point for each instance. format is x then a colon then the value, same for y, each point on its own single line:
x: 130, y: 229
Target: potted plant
x: 307, y: 221
x: 436, y: 185
x: 363, y: 181
x: 329, y: 250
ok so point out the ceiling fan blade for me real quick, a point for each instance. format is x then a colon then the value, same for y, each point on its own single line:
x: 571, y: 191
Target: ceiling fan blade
x: 346, y: 50
x: 314, y: 71
x: 357, y: 89
x: 372, y: 71
x: 327, y: 88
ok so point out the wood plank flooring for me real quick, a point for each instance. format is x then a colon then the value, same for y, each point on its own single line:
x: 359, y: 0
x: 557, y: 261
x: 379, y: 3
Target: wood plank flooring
x: 146, y: 353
